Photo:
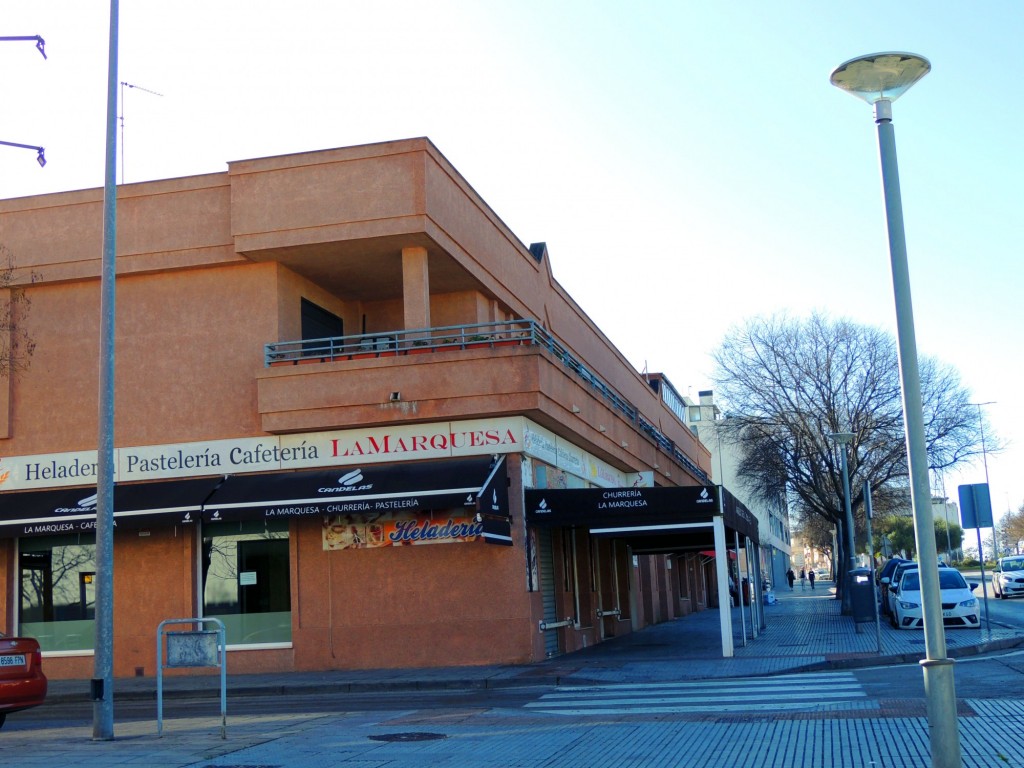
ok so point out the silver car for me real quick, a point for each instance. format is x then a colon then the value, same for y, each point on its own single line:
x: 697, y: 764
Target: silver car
x: 1008, y: 580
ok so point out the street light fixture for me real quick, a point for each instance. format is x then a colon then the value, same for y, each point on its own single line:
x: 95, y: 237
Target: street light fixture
x: 879, y: 79
x: 40, y: 43
x: 844, y: 439
x: 41, y: 46
x: 40, y: 156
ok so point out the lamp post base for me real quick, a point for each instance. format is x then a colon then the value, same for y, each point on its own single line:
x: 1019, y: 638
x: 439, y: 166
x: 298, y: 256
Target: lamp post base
x: 943, y: 730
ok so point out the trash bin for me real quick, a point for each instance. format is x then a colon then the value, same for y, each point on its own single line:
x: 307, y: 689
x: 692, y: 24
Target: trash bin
x: 862, y: 595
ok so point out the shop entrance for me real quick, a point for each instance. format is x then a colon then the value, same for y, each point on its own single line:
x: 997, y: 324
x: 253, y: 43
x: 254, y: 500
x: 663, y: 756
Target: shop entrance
x: 661, y: 521
x: 546, y: 559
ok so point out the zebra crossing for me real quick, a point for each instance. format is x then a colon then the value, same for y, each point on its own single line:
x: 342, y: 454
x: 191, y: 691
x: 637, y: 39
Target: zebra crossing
x: 827, y: 691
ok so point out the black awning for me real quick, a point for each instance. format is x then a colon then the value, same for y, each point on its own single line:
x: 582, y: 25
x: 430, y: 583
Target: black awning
x: 171, y: 502
x: 629, y: 509
x: 492, y: 507
x: 496, y: 530
x: 374, y: 488
x: 659, y: 512
x: 73, y: 510
x: 42, y: 513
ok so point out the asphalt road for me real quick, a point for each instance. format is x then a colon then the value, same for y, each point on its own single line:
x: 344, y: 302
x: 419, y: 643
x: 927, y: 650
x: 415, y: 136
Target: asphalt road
x: 1007, y: 614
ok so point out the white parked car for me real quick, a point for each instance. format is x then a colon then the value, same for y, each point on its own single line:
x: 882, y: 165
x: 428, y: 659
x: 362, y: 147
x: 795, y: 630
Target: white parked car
x: 1008, y: 580
x: 959, y: 605
x: 890, y: 594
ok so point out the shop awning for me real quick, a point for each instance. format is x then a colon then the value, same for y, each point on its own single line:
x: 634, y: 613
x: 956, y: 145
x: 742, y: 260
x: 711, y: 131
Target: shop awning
x: 731, y: 554
x: 369, y: 489
x: 685, y: 511
x: 73, y: 510
x: 478, y: 485
x: 492, y: 507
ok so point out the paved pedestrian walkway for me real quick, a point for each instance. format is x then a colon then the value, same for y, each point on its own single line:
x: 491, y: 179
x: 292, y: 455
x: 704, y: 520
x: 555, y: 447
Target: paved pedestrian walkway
x: 804, y: 630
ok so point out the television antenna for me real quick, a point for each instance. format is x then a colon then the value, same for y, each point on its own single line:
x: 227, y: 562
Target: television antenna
x: 121, y: 118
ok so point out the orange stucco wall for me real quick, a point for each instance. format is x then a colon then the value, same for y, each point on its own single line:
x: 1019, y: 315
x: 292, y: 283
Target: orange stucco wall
x: 210, y: 269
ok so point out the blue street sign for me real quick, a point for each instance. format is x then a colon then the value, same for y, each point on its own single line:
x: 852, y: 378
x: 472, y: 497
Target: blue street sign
x: 975, y: 506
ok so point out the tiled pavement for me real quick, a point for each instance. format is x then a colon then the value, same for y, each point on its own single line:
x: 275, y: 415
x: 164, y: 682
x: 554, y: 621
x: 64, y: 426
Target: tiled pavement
x: 805, y: 630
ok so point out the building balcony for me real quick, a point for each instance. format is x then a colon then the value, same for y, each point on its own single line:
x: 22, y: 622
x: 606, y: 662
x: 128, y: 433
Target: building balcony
x: 477, y: 370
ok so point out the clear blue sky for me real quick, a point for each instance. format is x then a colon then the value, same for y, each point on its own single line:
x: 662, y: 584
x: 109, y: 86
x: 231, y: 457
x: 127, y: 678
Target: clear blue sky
x: 688, y: 164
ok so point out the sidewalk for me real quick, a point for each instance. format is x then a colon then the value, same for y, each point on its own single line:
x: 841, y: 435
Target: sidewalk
x: 804, y: 631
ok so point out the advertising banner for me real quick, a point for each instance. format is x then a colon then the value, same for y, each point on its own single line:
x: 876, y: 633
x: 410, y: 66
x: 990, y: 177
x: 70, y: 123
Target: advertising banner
x: 369, y: 531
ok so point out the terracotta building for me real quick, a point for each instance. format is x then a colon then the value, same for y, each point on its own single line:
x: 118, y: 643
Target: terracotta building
x: 325, y: 361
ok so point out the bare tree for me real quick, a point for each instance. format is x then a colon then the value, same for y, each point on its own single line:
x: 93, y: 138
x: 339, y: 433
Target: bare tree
x: 16, y: 345
x: 1011, y: 531
x: 787, y: 384
x: 817, y: 532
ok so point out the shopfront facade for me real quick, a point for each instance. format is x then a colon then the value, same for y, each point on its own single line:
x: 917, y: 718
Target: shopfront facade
x: 337, y: 375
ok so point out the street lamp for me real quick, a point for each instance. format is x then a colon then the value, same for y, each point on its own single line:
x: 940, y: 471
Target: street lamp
x: 40, y: 43
x: 41, y: 47
x: 844, y: 439
x: 984, y: 461
x: 40, y: 152
x: 879, y: 79
x: 103, y: 660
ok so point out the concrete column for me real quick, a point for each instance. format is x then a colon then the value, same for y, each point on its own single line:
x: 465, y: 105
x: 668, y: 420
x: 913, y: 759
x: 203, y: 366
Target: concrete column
x: 415, y: 288
x: 722, y: 575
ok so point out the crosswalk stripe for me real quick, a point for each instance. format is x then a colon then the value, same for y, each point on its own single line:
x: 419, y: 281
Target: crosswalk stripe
x: 762, y: 694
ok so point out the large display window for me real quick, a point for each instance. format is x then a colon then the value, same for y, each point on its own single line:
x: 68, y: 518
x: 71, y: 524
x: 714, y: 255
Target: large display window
x: 57, y: 591
x: 247, y: 582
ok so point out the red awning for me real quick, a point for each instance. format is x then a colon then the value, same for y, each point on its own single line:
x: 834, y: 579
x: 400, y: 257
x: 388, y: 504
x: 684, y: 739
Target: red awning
x: 711, y: 553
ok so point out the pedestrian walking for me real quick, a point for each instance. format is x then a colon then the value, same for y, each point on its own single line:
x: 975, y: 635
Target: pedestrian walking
x: 790, y: 577
x: 810, y: 576
x: 803, y: 578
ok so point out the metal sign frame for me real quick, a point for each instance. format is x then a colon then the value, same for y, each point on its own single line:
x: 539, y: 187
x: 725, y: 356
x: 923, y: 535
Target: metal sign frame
x: 197, y: 647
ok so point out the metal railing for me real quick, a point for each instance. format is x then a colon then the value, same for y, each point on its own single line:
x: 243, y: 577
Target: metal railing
x: 403, y: 342
x: 468, y: 336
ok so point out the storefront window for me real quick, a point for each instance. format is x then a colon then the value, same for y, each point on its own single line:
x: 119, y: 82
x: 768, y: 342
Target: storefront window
x: 57, y: 600
x: 246, y: 581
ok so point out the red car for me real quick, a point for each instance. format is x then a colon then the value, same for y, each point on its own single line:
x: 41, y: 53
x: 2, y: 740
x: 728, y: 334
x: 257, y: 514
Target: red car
x: 22, y: 682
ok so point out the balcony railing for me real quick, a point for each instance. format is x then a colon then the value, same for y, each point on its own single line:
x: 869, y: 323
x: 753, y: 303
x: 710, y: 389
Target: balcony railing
x: 391, y: 343
x: 469, y: 336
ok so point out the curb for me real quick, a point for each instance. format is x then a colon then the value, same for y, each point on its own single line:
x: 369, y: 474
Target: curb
x: 312, y: 689
x: 861, y: 662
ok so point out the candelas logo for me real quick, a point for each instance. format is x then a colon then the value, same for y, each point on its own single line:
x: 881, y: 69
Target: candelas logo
x: 705, y: 497
x: 88, y: 504
x: 350, y: 481
x: 351, y: 478
x: 542, y: 508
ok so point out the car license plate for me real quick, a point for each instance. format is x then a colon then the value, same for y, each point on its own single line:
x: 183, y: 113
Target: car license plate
x: 12, y: 660
x: 947, y: 614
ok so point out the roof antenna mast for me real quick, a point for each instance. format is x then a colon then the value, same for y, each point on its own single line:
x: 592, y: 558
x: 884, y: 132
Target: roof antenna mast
x: 121, y: 118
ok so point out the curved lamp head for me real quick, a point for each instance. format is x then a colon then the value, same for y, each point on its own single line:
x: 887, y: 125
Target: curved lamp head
x: 879, y: 76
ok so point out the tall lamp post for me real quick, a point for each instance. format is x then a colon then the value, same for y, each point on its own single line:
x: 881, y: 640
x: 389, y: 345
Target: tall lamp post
x: 879, y: 79
x: 103, y: 661
x: 844, y: 439
x: 984, y: 461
